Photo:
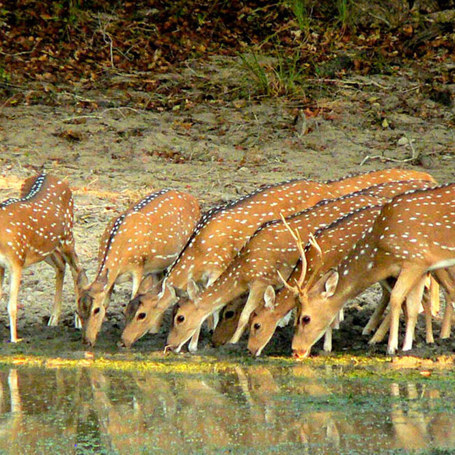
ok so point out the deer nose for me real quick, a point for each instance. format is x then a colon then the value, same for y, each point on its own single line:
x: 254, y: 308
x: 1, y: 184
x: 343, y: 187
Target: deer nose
x: 168, y: 348
x: 300, y: 354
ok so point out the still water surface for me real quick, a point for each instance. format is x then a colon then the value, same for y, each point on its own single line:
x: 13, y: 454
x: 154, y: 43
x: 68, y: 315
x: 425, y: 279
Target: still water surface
x: 237, y: 409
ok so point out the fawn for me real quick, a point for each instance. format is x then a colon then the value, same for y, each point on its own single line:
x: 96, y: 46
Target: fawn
x: 37, y: 226
x: 270, y: 254
x: 145, y: 239
x: 224, y: 230
x: 411, y: 237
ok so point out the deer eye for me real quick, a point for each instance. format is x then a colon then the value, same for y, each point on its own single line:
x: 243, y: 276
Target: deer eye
x: 257, y: 326
x: 306, y: 319
x: 229, y: 314
x: 141, y: 316
x: 180, y: 318
x: 96, y: 310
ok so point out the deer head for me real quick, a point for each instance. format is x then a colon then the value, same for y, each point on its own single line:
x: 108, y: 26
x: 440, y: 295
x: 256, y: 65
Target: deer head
x: 186, y: 320
x: 145, y: 313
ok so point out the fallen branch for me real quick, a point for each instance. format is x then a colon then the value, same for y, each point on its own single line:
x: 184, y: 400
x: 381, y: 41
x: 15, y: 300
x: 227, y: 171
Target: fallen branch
x: 414, y: 156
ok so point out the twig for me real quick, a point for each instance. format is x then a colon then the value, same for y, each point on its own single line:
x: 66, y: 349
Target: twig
x: 349, y: 83
x: 383, y: 19
x: 79, y: 117
x: 78, y: 97
x: 414, y: 156
x: 104, y: 33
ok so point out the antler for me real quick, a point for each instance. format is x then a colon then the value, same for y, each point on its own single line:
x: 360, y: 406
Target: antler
x: 296, y: 236
x: 314, y: 243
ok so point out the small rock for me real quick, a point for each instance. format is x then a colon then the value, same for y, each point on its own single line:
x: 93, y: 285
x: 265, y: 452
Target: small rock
x: 403, y: 141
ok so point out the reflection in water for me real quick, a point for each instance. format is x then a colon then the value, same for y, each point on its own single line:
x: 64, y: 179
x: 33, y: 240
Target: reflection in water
x: 241, y: 409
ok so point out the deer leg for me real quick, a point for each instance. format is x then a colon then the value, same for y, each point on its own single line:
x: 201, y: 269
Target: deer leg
x: 429, y: 338
x: 15, y: 282
x: 447, y: 279
x: 434, y: 296
x: 427, y: 303
x: 58, y: 263
x: 328, y: 340
x: 254, y: 298
x: 192, y: 346
x: 408, y: 278
x: 413, y: 301
x: 329, y: 332
x: 71, y: 258
x: 2, y: 277
x: 447, y: 319
x: 375, y: 318
x: 381, y: 332
x: 340, y: 318
x: 15, y: 397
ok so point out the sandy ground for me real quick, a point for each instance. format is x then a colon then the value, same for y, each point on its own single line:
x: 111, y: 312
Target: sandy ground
x: 216, y: 151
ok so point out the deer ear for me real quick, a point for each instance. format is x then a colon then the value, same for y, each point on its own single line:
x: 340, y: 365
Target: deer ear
x: 269, y: 298
x: 82, y: 279
x: 170, y: 289
x: 331, y: 283
x: 193, y: 290
x: 103, y: 278
x: 148, y: 284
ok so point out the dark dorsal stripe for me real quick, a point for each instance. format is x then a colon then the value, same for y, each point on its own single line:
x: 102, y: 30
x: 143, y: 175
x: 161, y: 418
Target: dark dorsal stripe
x: 358, y: 174
x: 147, y: 199
x: 118, y: 222
x: 210, y: 214
x: 342, y: 219
x: 364, y: 191
x: 350, y: 176
x: 333, y: 224
x: 115, y: 228
x: 34, y: 190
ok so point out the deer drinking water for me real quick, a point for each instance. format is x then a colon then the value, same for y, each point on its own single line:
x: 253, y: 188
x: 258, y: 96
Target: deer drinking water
x: 413, y: 235
x: 217, y: 238
x: 145, y: 239
x: 223, y: 231
x: 335, y: 241
x: 270, y: 254
x: 37, y: 227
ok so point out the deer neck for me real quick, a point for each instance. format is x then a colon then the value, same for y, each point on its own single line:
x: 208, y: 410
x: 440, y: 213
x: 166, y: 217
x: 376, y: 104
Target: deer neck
x: 285, y: 302
x: 364, y: 266
x: 220, y: 293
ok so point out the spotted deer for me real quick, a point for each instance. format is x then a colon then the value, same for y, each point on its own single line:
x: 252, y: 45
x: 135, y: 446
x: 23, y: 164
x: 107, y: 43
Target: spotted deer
x: 224, y: 230
x: 411, y: 237
x: 266, y: 318
x: 218, y: 237
x: 145, y: 239
x: 37, y: 226
x: 270, y: 254
x: 333, y: 242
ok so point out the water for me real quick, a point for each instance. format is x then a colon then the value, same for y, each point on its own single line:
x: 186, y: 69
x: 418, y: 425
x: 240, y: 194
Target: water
x: 234, y: 409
